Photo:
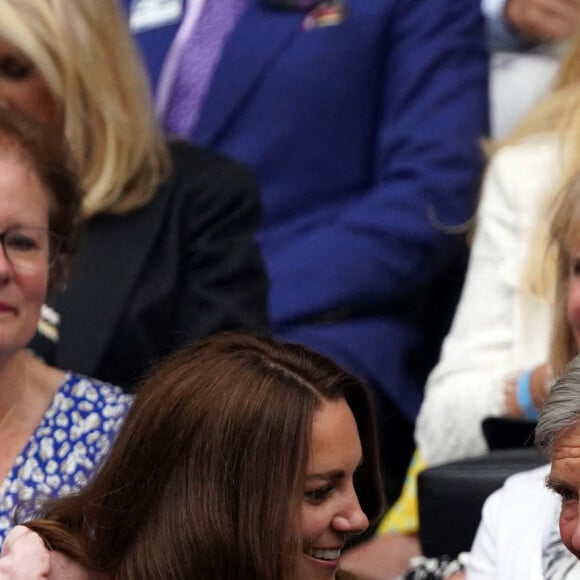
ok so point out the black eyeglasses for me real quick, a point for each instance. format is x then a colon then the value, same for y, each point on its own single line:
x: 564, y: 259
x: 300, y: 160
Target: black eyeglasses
x: 28, y: 247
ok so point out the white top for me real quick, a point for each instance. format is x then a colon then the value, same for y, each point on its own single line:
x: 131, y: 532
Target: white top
x: 515, y: 526
x: 529, y: 75
x: 499, y: 327
x: 499, y: 33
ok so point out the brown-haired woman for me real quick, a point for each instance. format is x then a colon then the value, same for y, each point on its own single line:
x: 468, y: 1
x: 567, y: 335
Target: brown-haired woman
x: 241, y: 458
x: 55, y: 426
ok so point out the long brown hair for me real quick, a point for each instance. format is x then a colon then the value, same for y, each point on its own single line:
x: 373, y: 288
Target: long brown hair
x: 207, y: 475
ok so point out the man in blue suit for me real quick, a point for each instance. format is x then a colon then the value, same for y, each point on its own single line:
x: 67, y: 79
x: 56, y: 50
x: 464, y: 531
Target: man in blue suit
x: 361, y: 120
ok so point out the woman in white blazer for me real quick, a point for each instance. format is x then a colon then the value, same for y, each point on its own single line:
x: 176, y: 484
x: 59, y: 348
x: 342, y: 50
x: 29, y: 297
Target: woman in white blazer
x: 493, y: 360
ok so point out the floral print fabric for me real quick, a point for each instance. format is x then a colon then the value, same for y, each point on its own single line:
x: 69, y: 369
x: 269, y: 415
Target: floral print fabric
x: 72, y: 439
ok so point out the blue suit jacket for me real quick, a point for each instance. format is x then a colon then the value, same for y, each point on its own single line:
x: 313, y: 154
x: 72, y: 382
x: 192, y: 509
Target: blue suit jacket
x: 364, y: 138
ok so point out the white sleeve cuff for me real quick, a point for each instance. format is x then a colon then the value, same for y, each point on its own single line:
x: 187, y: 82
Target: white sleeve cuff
x: 500, y: 35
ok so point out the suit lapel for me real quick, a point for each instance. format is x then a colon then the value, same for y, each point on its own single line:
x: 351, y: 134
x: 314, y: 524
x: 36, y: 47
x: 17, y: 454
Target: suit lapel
x: 112, y: 254
x: 256, y: 42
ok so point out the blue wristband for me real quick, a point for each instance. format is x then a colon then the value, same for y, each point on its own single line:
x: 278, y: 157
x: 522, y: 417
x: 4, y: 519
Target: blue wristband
x: 524, y: 395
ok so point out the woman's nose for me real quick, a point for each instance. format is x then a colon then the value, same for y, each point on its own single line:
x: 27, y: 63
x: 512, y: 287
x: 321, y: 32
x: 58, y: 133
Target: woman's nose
x: 574, y: 293
x: 5, y: 102
x: 351, y: 519
x: 5, y: 265
x: 573, y: 300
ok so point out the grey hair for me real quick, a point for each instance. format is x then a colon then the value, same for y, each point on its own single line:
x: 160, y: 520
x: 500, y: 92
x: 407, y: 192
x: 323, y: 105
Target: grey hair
x: 561, y: 411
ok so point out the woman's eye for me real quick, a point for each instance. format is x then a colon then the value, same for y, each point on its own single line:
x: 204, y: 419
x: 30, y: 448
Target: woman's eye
x: 15, y: 68
x: 574, y: 267
x: 319, y: 494
x: 21, y: 243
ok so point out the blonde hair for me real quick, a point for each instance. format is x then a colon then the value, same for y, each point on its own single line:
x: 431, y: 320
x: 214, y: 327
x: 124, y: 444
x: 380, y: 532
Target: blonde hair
x: 565, y: 239
x: 84, y: 52
x: 556, y: 116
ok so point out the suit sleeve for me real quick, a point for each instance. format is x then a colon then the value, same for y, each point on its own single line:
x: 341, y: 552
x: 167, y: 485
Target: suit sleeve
x: 424, y: 175
x: 223, y: 282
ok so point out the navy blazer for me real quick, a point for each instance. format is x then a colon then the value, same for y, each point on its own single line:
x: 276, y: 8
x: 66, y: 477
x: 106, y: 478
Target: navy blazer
x: 364, y: 137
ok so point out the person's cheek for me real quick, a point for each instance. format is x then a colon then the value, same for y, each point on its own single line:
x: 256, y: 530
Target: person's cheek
x: 574, y: 305
x: 313, y: 524
x: 570, y: 526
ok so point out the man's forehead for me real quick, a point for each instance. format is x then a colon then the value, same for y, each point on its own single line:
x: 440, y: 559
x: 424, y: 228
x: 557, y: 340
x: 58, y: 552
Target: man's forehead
x: 565, y: 468
x: 567, y: 445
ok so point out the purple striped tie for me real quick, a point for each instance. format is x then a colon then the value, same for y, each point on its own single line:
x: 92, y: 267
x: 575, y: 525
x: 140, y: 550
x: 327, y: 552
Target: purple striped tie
x: 199, y: 56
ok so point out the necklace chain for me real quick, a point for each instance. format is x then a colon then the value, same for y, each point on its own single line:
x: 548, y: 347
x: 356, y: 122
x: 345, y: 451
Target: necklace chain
x: 12, y: 408
x: 8, y: 414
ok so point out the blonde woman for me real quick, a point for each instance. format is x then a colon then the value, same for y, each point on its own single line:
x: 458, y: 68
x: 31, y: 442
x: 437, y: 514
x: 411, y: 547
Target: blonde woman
x: 168, y: 254
x: 494, y: 359
x: 499, y: 340
x: 525, y: 508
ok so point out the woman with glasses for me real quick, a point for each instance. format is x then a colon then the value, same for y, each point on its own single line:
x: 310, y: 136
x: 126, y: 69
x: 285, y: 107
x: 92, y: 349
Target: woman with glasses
x: 55, y: 426
x: 168, y: 253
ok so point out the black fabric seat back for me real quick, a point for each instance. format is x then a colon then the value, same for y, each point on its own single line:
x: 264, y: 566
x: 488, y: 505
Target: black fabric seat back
x: 451, y: 497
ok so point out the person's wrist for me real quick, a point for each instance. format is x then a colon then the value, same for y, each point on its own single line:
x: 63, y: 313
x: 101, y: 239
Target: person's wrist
x: 524, y: 395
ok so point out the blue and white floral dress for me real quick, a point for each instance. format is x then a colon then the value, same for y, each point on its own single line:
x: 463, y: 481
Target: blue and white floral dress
x: 72, y: 439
